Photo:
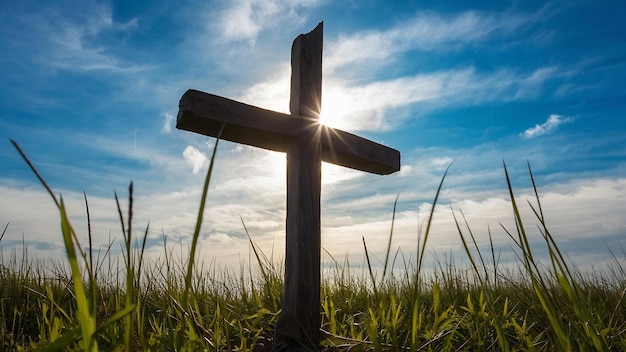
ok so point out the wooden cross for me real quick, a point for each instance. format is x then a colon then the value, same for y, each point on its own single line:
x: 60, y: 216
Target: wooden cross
x: 307, y: 143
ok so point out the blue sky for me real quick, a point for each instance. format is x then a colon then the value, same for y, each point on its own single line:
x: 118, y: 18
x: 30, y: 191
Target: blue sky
x: 90, y: 91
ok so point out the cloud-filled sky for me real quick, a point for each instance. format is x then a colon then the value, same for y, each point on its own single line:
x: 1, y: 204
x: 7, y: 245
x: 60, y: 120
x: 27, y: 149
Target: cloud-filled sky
x: 90, y: 91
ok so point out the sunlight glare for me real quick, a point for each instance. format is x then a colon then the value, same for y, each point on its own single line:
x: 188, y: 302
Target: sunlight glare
x: 333, y: 109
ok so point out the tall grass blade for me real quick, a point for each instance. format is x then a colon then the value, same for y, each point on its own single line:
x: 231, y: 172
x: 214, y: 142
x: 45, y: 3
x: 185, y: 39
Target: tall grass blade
x: 129, y: 263
x: 254, y: 249
x: 486, y: 291
x: 540, y: 287
x: 90, y: 267
x: 89, y: 234
x: 429, y: 223
x: 465, y: 246
x: 86, y: 317
x: 493, y: 258
x: 85, y: 310
x: 34, y: 170
x: 4, y: 231
x: 369, y: 265
x: 566, y: 280
x: 393, y: 219
x: 196, y: 233
x: 117, y: 316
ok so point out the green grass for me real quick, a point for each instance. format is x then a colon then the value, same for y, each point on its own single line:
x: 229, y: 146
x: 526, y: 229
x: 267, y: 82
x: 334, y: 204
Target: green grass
x: 127, y: 303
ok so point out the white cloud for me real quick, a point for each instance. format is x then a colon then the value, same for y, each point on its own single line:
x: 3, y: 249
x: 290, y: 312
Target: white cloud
x: 273, y: 93
x: 441, y: 163
x: 241, y: 21
x: 405, y: 170
x: 530, y: 86
x: 130, y: 24
x: 580, y: 210
x: 76, y: 37
x: 549, y: 126
x: 332, y: 174
x: 425, y: 31
x: 367, y: 107
x: 167, y: 122
x: 195, y: 158
x: 245, y: 19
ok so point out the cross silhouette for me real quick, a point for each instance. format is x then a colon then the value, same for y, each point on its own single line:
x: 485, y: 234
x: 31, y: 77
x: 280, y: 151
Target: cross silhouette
x: 307, y: 143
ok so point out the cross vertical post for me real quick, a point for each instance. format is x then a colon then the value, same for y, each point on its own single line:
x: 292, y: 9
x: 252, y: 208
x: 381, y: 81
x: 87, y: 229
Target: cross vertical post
x: 300, y: 316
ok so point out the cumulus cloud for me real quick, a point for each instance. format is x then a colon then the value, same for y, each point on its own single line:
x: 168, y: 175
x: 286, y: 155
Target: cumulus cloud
x: 195, y: 158
x: 405, y: 170
x: 549, y: 126
x: 242, y: 20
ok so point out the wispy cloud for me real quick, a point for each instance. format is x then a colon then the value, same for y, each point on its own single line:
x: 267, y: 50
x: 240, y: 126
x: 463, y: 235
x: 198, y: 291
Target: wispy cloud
x: 425, y: 31
x: 167, y: 122
x: 245, y: 19
x: 386, y: 103
x: 549, y: 126
x: 367, y: 107
x: 77, y: 37
x: 379, y: 105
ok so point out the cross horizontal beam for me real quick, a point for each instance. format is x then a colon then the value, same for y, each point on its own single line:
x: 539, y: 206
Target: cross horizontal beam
x: 205, y: 113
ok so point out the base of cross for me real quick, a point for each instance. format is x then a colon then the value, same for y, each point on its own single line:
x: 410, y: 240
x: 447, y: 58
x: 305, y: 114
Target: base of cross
x: 290, y: 336
x: 292, y: 346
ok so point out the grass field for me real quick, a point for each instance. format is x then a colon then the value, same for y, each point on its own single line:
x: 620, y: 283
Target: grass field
x: 125, y: 304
